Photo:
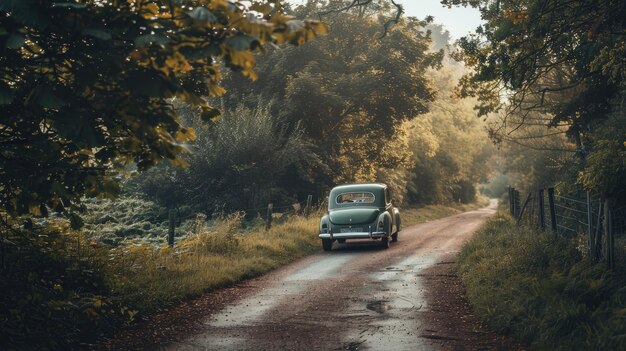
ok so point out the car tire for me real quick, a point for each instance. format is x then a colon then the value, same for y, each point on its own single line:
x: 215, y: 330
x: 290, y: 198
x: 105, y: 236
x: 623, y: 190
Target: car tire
x: 394, y: 237
x: 327, y: 244
x: 384, y: 243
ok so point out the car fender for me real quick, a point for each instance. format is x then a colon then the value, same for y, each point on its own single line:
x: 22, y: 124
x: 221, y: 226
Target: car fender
x: 325, y: 221
x: 396, y: 214
x: 386, y: 219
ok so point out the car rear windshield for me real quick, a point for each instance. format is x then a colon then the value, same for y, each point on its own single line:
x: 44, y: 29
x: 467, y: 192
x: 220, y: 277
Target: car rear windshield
x: 355, y: 197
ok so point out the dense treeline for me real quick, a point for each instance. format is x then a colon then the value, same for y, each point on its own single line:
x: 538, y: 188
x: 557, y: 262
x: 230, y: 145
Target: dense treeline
x: 557, y: 88
x: 350, y: 107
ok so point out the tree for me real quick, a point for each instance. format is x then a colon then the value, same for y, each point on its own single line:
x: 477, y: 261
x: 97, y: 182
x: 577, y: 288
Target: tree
x: 555, y: 56
x: 236, y: 162
x: 551, y: 63
x: 450, y: 146
x: 351, y: 92
x: 85, y: 86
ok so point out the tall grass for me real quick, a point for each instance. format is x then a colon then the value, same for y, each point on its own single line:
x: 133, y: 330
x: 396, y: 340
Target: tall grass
x: 541, y: 289
x: 150, y: 278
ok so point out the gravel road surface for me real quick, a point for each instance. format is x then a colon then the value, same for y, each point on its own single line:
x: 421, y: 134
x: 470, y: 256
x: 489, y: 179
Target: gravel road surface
x: 357, y: 296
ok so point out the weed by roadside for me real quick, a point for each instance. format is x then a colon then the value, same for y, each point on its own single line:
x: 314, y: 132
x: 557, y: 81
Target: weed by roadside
x: 539, y: 288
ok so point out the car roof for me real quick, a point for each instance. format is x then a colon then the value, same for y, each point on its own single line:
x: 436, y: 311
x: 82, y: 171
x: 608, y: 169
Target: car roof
x: 358, y: 187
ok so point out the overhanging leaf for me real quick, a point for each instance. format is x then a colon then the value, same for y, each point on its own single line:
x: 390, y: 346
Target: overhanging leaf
x: 45, y: 97
x: 14, y: 41
x: 210, y: 114
x: 194, y: 53
x: 101, y: 34
x: 202, y: 14
x: 6, y: 95
x: 145, y: 40
x: 71, y: 5
x: 150, y: 84
x: 242, y: 42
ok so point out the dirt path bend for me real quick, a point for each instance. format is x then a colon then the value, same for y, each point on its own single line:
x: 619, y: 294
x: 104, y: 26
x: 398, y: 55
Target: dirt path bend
x: 356, y: 297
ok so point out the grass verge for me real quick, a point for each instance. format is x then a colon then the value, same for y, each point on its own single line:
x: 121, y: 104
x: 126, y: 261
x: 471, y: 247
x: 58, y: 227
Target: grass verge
x: 541, y: 289
x: 151, y: 278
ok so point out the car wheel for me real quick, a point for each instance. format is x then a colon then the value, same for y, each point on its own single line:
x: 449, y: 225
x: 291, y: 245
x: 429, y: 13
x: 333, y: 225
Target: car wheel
x: 394, y: 237
x: 327, y: 244
x: 384, y: 241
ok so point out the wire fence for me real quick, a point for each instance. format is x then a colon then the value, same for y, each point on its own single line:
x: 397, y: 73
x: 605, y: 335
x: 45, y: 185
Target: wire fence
x: 268, y: 214
x: 574, y: 215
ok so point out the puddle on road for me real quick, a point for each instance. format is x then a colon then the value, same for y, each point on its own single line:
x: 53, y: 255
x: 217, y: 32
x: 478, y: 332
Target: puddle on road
x: 395, y: 294
x: 379, y: 306
x: 394, y: 269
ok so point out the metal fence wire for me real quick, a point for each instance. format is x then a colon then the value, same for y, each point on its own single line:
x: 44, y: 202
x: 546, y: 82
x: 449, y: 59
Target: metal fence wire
x: 573, y: 215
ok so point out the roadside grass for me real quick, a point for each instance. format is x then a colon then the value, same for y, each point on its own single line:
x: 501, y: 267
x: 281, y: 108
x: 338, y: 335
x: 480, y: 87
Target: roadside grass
x: 153, y: 278
x: 416, y: 215
x: 541, y: 289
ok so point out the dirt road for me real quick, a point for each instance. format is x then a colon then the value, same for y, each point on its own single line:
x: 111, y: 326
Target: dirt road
x: 356, y: 297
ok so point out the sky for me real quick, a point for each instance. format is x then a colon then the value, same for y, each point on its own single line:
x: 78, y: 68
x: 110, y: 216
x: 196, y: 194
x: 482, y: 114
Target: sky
x: 458, y: 20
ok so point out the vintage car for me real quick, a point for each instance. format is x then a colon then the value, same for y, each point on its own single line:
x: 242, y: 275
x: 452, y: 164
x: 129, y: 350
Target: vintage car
x: 360, y: 211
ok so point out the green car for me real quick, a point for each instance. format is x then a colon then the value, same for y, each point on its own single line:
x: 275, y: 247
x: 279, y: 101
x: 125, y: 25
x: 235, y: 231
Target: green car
x: 360, y: 211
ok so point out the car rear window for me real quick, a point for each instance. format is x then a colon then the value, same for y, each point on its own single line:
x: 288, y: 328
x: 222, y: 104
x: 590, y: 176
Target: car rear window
x: 355, y: 197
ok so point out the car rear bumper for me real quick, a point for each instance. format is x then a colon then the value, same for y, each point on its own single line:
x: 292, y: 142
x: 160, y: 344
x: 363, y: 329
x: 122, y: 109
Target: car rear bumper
x: 357, y: 235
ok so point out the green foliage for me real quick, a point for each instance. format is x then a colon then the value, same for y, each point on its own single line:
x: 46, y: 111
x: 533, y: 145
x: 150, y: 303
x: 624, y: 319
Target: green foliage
x: 85, y: 86
x: 350, y: 92
x: 605, y: 167
x: 236, y: 163
x: 450, y: 146
x: 564, y: 76
x: 538, y: 287
x: 54, y: 295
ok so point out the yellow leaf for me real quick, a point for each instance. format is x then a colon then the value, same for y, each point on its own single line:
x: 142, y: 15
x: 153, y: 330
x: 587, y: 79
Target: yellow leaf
x: 150, y: 10
x: 97, y: 303
x: 35, y: 210
x: 186, y: 134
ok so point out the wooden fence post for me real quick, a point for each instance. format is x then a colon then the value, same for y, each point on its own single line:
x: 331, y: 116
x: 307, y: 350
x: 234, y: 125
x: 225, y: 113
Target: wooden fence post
x: 608, y: 235
x: 519, y: 218
x: 597, y: 239
x: 590, y: 238
x: 268, y: 217
x: 307, y: 209
x: 553, y: 223
x: 517, y: 203
x: 512, y: 201
x: 542, y: 212
x: 172, y: 227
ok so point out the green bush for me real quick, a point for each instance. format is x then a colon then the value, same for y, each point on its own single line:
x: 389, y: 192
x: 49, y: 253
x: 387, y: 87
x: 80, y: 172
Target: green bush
x: 542, y: 290
x: 54, y: 295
